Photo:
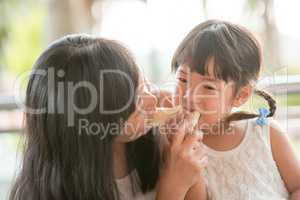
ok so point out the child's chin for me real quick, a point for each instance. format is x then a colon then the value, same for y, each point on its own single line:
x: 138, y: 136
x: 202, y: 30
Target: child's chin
x: 207, y: 120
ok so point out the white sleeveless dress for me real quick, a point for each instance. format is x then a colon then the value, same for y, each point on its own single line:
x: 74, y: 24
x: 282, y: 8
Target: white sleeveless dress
x: 247, y: 172
x: 126, y: 193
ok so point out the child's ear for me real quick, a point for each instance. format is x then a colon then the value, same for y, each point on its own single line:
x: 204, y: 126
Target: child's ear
x: 242, y: 95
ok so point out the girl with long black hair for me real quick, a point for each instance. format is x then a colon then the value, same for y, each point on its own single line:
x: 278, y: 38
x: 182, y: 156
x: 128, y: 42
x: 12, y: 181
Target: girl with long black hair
x: 85, y: 131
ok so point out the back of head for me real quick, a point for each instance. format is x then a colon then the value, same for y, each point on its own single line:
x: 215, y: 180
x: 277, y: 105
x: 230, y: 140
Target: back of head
x: 79, y: 80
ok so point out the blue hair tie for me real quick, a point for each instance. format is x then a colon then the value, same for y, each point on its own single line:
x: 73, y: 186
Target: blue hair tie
x: 262, y: 118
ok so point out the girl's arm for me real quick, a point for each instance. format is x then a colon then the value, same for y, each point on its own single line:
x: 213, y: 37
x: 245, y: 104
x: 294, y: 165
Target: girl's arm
x: 286, y: 160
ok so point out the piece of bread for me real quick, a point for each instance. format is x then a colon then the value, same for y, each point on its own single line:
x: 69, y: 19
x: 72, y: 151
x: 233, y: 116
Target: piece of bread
x: 195, y: 118
x: 163, y: 114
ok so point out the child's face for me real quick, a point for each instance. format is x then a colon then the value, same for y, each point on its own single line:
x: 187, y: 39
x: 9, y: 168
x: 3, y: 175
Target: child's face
x: 137, y: 123
x: 212, y: 97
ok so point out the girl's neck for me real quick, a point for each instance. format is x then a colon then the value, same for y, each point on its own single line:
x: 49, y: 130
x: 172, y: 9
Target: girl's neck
x: 219, y: 129
x: 120, y: 166
x: 225, y: 140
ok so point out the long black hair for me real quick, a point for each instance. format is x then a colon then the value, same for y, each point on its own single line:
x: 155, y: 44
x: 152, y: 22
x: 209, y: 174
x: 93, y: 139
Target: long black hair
x: 61, y: 160
x: 236, y: 53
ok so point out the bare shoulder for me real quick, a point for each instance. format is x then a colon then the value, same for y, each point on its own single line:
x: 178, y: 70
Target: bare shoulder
x: 278, y: 136
x: 285, y: 156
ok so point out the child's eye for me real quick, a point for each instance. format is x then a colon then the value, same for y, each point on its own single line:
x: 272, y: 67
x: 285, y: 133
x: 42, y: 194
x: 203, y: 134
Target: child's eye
x: 209, y: 87
x: 182, y: 80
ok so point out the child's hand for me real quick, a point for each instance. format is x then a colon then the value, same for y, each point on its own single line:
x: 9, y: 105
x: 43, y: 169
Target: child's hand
x: 185, y: 160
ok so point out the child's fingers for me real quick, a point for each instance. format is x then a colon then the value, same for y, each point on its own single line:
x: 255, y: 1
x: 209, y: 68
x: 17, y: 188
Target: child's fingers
x: 193, y: 139
x: 176, y: 100
x: 200, y: 134
x: 172, y: 124
x: 179, y: 135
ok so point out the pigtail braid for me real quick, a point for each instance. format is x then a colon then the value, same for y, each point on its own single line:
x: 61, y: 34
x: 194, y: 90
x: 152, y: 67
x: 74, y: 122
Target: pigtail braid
x: 268, y: 97
x: 247, y: 115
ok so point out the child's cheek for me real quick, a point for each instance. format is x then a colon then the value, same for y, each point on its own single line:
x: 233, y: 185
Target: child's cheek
x: 208, y: 106
x: 211, y: 110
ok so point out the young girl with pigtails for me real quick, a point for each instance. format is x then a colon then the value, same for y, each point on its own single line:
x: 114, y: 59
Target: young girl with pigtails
x: 249, y: 156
